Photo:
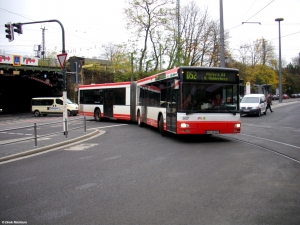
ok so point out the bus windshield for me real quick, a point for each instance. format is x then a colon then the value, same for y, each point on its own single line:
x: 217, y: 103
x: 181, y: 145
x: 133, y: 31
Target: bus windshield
x: 209, y: 97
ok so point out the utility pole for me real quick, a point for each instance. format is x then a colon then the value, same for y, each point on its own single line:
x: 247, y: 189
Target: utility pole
x: 43, y: 48
x: 178, y: 33
x: 264, y: 51
x: 131, y: 61
x: 280, y: 71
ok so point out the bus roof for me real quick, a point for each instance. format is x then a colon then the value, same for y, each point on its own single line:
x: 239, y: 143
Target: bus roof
x: 105, y: 84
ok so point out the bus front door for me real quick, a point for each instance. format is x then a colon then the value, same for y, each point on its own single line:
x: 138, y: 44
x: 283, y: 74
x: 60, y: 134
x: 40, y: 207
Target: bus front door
x: 173, y: 96
x: 108, y: 103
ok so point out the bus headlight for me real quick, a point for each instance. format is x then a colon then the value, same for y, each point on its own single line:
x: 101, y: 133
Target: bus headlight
x: 237, y: 125
x: 184, y: 125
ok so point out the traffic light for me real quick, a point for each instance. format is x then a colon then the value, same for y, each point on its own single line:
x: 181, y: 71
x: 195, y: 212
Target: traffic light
x: 18, y: 28
x: 9, y: 32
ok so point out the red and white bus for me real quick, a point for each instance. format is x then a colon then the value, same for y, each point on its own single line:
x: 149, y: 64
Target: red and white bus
x: 108, y: 100
x: 183, y: 100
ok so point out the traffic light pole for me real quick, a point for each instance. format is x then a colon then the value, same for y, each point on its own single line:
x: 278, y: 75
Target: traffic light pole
x: 65, y: 113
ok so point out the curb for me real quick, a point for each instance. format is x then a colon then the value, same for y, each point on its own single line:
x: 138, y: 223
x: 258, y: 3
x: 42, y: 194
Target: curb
x: 45, y: 148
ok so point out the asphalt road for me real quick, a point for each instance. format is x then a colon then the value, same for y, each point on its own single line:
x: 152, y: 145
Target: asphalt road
x: 132, y: 175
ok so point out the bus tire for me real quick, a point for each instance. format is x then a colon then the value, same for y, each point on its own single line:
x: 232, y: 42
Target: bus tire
x: 161, y: 126
x: 37, y: 113
x: 97, y: 114
x: 140, y: 123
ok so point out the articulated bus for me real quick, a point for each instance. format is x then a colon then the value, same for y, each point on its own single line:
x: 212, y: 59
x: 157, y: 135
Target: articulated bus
x: 184, y: 100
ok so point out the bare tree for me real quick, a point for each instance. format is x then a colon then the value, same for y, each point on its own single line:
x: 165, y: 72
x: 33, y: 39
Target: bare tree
x: 200, y: 37
x: 260, y: 52
x: 145, y: 16
x: 118, y: 55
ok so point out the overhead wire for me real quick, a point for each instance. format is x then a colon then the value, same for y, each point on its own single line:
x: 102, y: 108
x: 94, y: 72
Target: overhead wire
x: 251, y: 16
x: 84, y: 39
x: 259, y: 11
x: 248, y: 9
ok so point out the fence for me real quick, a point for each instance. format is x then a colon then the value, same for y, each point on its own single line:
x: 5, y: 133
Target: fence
x: 35, y: 133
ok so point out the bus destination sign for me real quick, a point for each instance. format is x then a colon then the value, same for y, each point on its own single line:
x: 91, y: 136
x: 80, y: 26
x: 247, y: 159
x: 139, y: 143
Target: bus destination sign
x: 213, y: 76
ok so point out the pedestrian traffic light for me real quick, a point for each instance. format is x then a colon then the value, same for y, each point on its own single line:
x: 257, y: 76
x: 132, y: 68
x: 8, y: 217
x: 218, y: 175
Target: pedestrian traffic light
x: 18, y: 28
x: 9, y: 31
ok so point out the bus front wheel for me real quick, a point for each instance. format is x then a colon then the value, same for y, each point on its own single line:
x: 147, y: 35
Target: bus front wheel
x: 140, y: 124
x: 97, y: 115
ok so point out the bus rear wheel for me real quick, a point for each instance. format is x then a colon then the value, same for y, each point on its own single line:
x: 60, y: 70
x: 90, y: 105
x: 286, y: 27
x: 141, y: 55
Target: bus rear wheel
x: 97, y: 115
x: 161, y: 126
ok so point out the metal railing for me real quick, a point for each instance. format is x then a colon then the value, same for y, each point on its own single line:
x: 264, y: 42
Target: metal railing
x: 35, y: 133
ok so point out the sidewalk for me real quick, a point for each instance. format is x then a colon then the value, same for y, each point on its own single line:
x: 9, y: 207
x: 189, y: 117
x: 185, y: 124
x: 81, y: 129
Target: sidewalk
x: 284, y: 102
x: 26, y: 147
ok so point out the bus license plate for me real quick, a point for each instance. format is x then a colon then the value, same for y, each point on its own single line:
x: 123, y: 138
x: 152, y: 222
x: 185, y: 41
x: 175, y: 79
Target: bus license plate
x: 212, y: 132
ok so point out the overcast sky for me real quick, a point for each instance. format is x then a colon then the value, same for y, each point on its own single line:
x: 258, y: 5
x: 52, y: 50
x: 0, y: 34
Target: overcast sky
x: 91, y: 23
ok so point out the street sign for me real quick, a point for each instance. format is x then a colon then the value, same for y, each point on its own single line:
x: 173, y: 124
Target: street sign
x: 16, y: 60
x: 75, y: 65
x: 62, y: 59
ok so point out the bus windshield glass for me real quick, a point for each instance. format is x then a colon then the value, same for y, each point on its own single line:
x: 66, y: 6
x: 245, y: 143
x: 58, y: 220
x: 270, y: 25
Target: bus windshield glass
x: 209, y: 97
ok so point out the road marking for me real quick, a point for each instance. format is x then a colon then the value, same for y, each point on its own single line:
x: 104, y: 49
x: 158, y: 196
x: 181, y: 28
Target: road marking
x: 114, y: 126
x: 80, y: 147
x: 113, y: 157
x: 85, y: 186
x: 23, y: 140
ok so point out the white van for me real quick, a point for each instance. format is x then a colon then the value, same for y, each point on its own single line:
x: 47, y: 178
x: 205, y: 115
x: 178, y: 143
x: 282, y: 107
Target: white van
x: 52, y: 105
x: 253, y: 104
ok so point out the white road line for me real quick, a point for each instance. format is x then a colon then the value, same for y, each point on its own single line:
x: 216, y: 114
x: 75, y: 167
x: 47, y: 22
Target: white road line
x: 80, y: 147
x: 113, y: 126
x: 272, y: 141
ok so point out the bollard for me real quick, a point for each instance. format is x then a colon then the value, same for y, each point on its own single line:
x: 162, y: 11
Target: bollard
x: 84, y: 126
x: 66, y: 132
x: 35, y: 135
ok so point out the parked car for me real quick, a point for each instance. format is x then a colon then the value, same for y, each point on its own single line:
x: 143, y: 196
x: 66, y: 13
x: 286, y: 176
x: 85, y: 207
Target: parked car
x: 275, y: 97
x: 285, y: 96
x: 294, y: 96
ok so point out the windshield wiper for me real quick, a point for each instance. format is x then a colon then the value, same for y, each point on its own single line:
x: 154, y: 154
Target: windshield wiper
x: 234, y: 113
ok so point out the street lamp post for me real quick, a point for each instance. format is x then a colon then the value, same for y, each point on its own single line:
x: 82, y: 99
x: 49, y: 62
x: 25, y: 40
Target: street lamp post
x: 222, y: 50
x: 280, y: 72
